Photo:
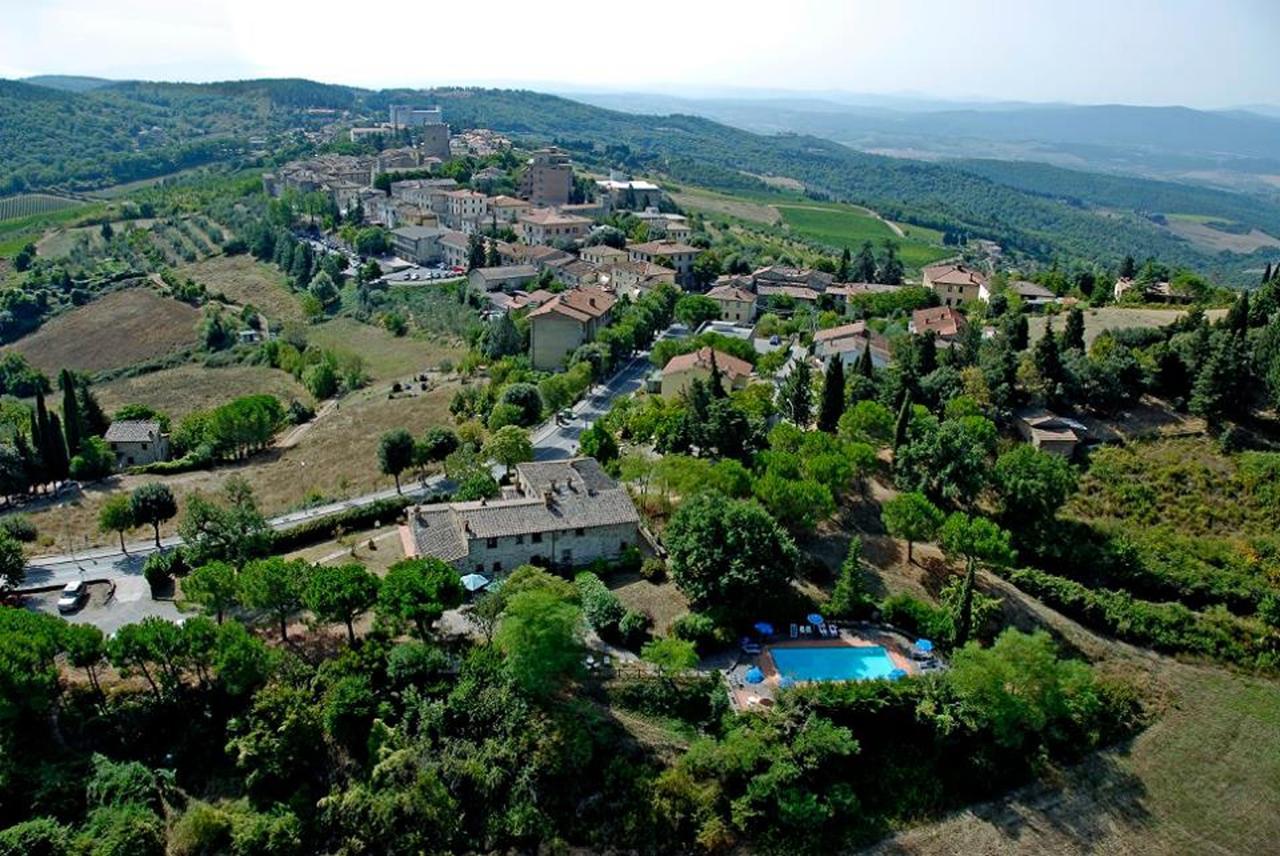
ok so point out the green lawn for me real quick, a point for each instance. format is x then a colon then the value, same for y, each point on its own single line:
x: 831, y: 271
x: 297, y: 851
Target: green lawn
x: 848, y: 226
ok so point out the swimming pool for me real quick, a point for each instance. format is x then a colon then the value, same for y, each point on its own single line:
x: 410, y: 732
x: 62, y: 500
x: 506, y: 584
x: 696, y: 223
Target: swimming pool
x: 832, y: 663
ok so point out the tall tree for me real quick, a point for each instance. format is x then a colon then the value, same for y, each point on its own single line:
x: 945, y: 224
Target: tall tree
x: 395, y: 453
x: 1048, y: 363
x: 795, y: 394
x: 71, y: 419
x: 1128, y: 268
x: 902, y: 423
x: 864, y: 266
x: 417, y: 592
x: 151, y: 505
x: 1238, y: 314
x: 93, y: 422
x: 58, y: 462
x: 213, y: 586
x: 973, y: 539
x: 843, y: 269
x: 509, y: 445
x: 866, y: 367
x: 1073, y: 331
x: 276, y: 585
x: 341, y: 594
x: 116, y: 515
x: 832, y: 407
x: 911, y: 517
x: 890, y: 269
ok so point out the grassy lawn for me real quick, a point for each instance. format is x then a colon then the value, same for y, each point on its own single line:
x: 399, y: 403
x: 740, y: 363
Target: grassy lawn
x: 849, y: 226
x: 179, y: 391
x: 120, y: 329
x: 376, y: 549
x: 387, y: 357
x: 16, y: 233
x: 710, y: 202
x: 1116, y: 317
x: 245, y: 280
x: 662, y: 601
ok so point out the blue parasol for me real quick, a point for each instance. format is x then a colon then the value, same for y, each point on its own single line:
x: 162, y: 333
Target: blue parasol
x: 764, y: 628
x: 816, y: 618
x: 754, y: 675
x: 924, y: 645
x: 474, y: 582
x: 897, y: 673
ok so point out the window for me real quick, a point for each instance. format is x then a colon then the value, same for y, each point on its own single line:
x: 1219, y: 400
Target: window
x: 579, y: 532
x: 566, y: 557
x: 497, y: 567
x: 536, y: 537
x: 519, y: 539
x: 624, y: 545
x: 491, y: 543
x: 479, y: 567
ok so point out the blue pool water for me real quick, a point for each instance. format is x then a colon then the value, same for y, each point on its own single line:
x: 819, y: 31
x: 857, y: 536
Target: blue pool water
x: 832, y: 663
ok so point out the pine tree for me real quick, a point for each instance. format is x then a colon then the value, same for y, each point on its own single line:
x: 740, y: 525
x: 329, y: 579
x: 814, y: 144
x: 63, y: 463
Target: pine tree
x: 1238, y: 315
x: 832, y: 395
x: 1128, y: 267
x: 795, y: 396
x: 71, y: 418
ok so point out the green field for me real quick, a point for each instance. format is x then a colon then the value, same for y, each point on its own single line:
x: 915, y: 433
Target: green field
x: 844, y: 226
x: 17, y: 232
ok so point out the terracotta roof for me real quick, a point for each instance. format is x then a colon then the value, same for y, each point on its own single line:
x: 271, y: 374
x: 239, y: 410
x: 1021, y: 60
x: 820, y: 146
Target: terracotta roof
x: 663, y: 248
x: 943, y: 320
x: 857, y: 328
x: 954, y: 274
x: 701, y: 358
x: 731, y: 292
x: 580, y: 304
x: 551, y: 217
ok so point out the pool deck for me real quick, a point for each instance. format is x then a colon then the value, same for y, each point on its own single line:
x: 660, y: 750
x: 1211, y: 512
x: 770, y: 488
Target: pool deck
x: 747, y: 696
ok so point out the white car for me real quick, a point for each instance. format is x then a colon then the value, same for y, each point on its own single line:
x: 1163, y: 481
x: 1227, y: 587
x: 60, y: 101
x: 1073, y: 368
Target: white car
x: 73, y: 596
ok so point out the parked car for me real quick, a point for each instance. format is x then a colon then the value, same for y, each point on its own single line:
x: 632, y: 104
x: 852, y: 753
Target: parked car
x: 564, y: 417
x: 73, y: 596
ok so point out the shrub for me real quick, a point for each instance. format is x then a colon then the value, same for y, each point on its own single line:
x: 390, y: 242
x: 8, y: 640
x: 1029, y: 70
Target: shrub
x: 653, y: 569
x: 323, y: 528
x: 19, y: 527
x: 916, y: 616
x: 601, y: 607
x: 702, y: 630
x: 633, y: 629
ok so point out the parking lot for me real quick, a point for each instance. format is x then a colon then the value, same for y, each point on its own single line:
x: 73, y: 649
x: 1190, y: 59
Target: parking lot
x: 130, y: 603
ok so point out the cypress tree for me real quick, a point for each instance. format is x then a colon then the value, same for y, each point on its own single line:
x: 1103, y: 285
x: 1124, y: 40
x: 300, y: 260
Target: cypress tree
x: 904, y: 421
x: 59, y: 465
x: 716, y: 381
x: 1238, y: 316
x: 866, y: 368
x: 832, y: 395
x: 1073, y: 331
x: 927, y: 355
x: 71, y: 420
x: 40, y: 439
x: 30, y: 460
x: 842, y: 270
x: 1266, y: 274
x: 1048, y: 363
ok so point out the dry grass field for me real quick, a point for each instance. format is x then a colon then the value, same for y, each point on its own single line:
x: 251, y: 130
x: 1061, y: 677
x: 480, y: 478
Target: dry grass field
x: 121, y: 329
x: 337, y: 458
x: 245, y: 280
x: 1115, y: 317
x: 179, y: 391
x: 709, y: 202
x: 387, y: 357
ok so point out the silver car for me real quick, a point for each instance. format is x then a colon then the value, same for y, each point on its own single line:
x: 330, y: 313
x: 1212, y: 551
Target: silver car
x: 73, y: 596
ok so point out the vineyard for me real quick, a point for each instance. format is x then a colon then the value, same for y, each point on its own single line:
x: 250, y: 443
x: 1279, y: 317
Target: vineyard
x: 30, y: 204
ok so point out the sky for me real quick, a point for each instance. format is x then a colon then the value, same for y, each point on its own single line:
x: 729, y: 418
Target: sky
x: 1199, y: 53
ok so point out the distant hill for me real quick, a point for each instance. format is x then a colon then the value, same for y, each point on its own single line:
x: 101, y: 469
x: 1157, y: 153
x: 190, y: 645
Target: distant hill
x: 130, y: 130
x: 1234, y: 149
x: 68, y: 82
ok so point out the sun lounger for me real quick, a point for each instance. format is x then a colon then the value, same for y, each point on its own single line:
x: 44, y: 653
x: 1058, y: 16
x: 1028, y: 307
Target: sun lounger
x: 794, y: 631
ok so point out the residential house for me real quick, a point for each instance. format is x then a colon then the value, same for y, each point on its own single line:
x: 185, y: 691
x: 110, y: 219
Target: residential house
x: 576, y: 272
x: 1049, y: 432
x: 563, y: 514
x: 566, y: 322
x: 636, y: 279
x: 454, y: 247
x: 781, y: 275
x: 603, y: 254
x: 505, y: 278
x: 946, y: 322
x: 539, y: 256
x: 1154, y: 292
x: 737, y: 304
x: 465, y: 206
x: 549, y: 226
x: 954, y: 283
x: 136, y: 442
x: 678, y: 256
x: 848, y: 342
x: 1033, y: 294
x: 682, y: 369
x: 507, y: 209
x: 620, y: 193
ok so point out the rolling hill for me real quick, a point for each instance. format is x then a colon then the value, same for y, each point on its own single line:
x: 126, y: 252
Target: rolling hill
x: 98, y: 136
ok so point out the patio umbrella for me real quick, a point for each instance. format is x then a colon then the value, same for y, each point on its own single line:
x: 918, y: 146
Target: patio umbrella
x: 816, y: 618
x: 764, y: 628
x: 474, y: 582
x: 897, y: 673
x: 754, y: 675
x: 786, y: 682
x: 924, y: 645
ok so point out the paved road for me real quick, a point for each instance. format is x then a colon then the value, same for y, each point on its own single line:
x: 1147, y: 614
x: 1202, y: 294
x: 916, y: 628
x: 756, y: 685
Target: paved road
x: 550, y: 441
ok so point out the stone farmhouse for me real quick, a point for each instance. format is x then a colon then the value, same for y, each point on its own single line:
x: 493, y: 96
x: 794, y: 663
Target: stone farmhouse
x: 559, y: 513
x: 136, y: 442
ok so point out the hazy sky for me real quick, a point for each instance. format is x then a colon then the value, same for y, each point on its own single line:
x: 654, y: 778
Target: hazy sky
x: 1204, y: 53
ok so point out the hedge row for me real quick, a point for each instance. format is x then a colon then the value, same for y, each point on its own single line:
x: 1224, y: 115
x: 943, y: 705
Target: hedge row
x: 323, y: 528
x: 1168, y: 627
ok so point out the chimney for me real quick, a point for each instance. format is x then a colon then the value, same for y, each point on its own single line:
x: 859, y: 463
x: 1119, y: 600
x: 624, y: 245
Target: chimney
x: 547, y: 498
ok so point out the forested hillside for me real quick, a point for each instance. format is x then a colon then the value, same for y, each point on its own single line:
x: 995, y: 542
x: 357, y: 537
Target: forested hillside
x: 126, y: 131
